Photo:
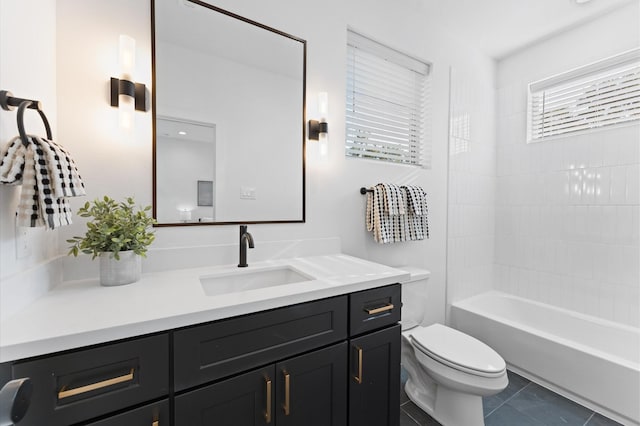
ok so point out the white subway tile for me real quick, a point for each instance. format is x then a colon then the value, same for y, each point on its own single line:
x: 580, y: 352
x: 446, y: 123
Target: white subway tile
x: 624, y: 225
x: 635, y: 224
x: 633, y: 184
x: 602, y: 185
x: 609, y: 219
x: 601, y: 262
x: 590, y: 290
x: 580, y: 223
x: 575, y: 186
x: 606, y: 301
x: 610, y: 150
x: 594, y: 224
x: 561, y: 266
x: 628, y: 264
x: 588, y: 186
x: 618, y: 185
x: 596, y: 149
x: 628, y: 145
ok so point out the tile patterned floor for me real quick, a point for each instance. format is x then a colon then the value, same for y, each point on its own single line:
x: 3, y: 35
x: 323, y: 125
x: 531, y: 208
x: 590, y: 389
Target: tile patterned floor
x: 522, y: 403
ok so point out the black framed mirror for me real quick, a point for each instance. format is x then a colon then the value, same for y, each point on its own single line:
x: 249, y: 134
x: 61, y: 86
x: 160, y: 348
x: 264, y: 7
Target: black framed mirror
x: 228, y: 116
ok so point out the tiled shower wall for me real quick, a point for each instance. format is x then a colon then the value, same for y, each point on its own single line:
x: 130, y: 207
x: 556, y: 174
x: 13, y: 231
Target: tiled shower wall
x: 567, y: 221
x: 567, y: 209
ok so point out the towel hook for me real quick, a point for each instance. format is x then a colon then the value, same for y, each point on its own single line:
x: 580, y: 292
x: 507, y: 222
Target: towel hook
x: 21, y: 131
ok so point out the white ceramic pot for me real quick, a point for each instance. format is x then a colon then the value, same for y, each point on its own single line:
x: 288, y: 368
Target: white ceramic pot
x: 118, y: 272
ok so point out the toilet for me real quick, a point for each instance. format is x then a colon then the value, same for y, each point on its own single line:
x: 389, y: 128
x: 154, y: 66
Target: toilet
x: 448, y: 371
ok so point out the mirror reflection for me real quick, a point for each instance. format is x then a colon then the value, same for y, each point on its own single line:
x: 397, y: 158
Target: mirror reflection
x: 229, y: 118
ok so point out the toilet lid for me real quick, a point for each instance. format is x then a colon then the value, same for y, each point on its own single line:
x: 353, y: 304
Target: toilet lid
x: 458, y: 350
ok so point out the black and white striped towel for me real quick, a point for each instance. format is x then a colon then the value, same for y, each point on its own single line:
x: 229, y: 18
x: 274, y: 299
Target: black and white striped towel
x: 396, y: 214
x: 47, y: 174
x: 417, y: 212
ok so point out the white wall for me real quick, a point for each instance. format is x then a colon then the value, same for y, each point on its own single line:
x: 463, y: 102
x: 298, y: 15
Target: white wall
x: 111, y: 163
x: 568, y: 208
x: 28, y: 70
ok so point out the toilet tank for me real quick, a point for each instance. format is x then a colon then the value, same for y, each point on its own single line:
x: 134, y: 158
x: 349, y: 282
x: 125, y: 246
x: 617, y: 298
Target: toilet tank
x: 414, y: 296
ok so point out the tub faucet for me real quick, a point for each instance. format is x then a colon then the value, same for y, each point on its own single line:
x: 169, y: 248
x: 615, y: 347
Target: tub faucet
x: 245, y: 237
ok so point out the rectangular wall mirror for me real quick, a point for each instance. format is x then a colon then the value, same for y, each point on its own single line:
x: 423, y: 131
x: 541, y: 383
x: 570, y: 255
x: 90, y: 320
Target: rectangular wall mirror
x: 228, y: 113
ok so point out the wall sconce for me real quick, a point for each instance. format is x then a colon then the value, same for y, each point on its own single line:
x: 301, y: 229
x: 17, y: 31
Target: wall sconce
x: 125, y: 94
x: 319, y: 128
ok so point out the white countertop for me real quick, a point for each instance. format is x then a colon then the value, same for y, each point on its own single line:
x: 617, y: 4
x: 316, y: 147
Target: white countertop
x: 81, y: 313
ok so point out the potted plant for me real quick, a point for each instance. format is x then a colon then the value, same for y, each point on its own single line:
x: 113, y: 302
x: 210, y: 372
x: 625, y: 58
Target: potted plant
x: 119, y: 234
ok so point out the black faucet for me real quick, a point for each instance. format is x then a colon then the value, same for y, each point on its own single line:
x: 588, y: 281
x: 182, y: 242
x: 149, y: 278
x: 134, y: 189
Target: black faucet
x: 244, y: 238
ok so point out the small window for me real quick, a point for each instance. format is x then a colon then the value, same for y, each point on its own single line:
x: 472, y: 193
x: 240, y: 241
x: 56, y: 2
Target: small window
x: 602, y: 94
x: 386, y: 105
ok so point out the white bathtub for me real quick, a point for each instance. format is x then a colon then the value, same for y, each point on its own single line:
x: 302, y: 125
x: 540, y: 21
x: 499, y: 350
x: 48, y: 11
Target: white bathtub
x: 589, y: 360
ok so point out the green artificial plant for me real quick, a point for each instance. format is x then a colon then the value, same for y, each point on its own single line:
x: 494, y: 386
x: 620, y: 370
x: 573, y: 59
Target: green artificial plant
x: 115, y: 227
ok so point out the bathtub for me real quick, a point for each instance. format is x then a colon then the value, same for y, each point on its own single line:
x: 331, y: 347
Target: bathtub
x: 588, y: 360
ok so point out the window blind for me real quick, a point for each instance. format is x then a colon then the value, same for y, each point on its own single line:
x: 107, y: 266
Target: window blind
x: 386, y: 103
x: 602, y: 94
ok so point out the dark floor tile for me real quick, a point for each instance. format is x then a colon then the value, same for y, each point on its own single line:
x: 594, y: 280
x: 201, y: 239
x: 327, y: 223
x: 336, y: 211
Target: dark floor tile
x: 548, y: 407
x: 516, y: 383
x: 600, y: 420
x: 490, y: 403
x: 405, y: 420
x: 422, y: 418
x: 509, y: 416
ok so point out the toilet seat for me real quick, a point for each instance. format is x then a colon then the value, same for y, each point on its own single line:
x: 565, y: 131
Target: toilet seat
x: 457, y: 350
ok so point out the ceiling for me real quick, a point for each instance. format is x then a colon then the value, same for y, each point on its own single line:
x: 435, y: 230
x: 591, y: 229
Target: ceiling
x: 500, y: 27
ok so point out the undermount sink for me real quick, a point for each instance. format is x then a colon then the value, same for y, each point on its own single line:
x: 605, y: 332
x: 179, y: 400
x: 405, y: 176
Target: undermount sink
x: 251, y: 279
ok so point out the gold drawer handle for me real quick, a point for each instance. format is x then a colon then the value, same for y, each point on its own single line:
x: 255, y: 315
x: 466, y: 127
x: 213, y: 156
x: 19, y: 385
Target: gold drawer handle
x: 267, y: 415
x: 287, y: 389
x: 358, y: 378
x: 99, y: 385
x: 384, y: 308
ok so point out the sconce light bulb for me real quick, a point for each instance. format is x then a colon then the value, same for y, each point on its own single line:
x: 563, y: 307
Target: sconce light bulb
x: 323, y: 105
x: 127, y: 57
x: 323, y: 144
x: 126, y: 111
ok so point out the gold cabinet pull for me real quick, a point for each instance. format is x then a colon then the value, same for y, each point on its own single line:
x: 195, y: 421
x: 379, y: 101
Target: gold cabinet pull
x: 287, y: 393
x: 63, y: 393
x: 387, y: 307
x: 267, y: 414
x: 358, y: 378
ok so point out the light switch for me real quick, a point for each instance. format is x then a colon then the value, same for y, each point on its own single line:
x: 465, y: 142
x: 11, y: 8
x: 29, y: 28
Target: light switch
x: 247, y: 193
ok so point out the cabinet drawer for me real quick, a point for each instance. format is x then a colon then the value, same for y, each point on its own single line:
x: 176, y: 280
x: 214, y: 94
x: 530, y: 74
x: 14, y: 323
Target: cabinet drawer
x: 156, y: 414
x: 212, y: 351
x: 373, y: 309
x: 85, y: 384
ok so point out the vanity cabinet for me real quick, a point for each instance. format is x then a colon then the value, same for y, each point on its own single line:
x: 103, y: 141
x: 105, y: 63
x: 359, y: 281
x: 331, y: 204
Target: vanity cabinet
x: 328, y: 362
x: 374, y: 357
x: 305, y: 390
x: 73, y: 387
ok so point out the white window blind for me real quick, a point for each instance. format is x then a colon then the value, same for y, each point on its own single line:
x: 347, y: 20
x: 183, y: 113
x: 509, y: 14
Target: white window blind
x: 602, y: 94
x: 386, y: 104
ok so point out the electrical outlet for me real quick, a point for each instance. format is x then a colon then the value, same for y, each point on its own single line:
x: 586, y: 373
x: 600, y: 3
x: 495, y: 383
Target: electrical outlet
x: 23, y: 243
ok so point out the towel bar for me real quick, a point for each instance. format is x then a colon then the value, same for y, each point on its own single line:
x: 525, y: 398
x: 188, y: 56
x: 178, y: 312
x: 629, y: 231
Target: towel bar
x: 364, y: 190
x: 8, y: 102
